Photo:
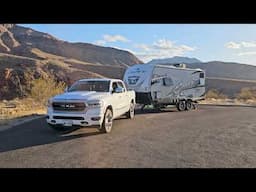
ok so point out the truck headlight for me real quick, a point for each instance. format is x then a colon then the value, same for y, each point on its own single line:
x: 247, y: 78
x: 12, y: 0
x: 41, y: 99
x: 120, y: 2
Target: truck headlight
x: 95, y: 103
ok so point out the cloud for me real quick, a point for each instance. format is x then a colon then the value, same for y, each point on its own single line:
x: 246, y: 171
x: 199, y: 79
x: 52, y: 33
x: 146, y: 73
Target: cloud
x: 247, y: 53
x: 111, y: 38
x: 248, y: 44
x: 232, y: 45
x: 144, y: 47
x: 187, y: 48
x: 100, y: 42
x: 115, y: 38
x: 163, y: 44
x: 161, y: 48
x: 243, y: 44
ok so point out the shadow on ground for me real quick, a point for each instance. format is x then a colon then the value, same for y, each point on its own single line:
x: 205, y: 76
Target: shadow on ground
x: 35, y: 132
x: 138, y: 111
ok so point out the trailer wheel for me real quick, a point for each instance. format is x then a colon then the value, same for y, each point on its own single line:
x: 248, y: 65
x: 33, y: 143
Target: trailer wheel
x: 181, y: 105
x: 188, y: 105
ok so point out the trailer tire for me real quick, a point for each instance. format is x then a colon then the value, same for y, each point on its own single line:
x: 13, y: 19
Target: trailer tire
x: 181, y: 105
x: 188, y: 105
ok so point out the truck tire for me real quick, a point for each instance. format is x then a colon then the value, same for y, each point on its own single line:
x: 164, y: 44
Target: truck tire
x: 130, y: 113
x: 107, y: 123
x: 181, y: 105
x: 189, y: 105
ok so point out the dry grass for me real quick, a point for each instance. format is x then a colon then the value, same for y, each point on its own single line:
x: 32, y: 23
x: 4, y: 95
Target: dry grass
x: 42, y: 89
x: 17, y: 108
x: 45, y: 55
x: 215, y: 94
x: 247, y: 94
x: 36, y: 102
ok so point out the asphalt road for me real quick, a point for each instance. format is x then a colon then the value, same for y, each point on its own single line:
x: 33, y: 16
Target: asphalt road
x: 208, y: 137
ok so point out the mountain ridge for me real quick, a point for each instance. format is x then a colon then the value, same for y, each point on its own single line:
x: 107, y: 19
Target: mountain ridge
x: 174, y: 60
x: 20, y: 40
x: 27, y: 54
x: 232, y: 70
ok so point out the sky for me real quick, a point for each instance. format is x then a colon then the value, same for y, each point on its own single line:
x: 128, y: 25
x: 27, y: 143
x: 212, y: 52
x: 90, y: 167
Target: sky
x: 206, y: 42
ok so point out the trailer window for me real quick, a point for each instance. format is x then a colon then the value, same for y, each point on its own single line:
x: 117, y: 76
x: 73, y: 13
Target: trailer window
x: 167, y: 81
x: 201, y: 75
x: 133, y: 80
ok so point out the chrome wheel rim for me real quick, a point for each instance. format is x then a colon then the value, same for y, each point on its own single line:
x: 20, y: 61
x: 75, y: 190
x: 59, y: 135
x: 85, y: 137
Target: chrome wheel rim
x: 182, y: 105
x: 132, y: 110
x: 108, y: 121
x: 189, y: 105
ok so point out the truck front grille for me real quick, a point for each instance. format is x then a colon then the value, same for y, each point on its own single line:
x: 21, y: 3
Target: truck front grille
x: 67, y: 106
x: 65, y: 117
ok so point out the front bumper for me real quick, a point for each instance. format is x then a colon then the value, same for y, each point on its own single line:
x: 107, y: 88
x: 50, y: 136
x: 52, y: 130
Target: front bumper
x: 89, y: 117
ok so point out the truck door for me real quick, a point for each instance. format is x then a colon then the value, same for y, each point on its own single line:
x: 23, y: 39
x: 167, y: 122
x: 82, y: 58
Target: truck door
x: 118, y: 98
x: 125, y: 104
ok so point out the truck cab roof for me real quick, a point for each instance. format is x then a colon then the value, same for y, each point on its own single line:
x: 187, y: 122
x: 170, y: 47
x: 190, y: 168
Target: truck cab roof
x: 100, y: 79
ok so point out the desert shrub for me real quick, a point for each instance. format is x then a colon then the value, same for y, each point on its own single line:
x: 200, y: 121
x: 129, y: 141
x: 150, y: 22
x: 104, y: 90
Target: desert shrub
x: 247, y: 93
x: 42, y: 89
x: 215, y: 94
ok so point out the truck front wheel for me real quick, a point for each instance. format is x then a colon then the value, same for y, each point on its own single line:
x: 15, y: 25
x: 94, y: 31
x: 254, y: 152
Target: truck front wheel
x: 107, y: 123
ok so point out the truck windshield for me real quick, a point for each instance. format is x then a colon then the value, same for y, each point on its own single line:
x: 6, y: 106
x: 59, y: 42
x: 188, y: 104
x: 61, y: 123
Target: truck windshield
x: 99, y: 86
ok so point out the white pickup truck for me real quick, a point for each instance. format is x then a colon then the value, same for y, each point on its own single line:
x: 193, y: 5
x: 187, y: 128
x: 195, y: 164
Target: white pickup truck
x: 90, y: 102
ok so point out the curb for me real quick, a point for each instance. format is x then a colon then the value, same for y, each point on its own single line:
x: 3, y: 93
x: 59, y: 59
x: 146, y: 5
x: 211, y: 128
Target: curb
x: 228, y: 105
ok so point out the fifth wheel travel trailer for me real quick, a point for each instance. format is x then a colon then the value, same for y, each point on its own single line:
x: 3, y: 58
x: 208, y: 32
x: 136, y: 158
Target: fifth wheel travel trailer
x: 161, y: 85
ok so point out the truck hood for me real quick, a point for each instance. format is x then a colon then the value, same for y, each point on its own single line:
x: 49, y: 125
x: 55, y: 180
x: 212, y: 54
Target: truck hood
x: 81, y: 95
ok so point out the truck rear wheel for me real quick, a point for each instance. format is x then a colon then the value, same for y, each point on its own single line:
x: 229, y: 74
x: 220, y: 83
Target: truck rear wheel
x: 181, y: 105
x: 107, y: 123
x: 130, y: 113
